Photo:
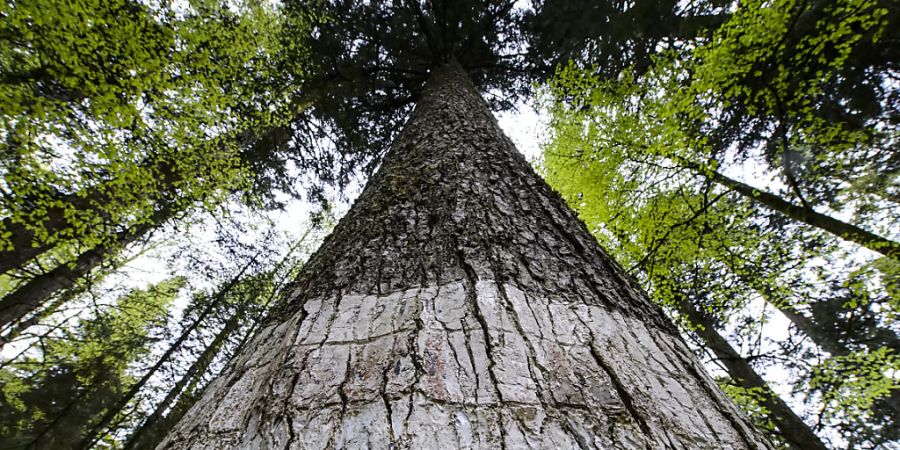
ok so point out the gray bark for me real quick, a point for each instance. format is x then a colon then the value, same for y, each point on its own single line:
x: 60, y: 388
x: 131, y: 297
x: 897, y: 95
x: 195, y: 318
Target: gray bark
x: 460, y: 304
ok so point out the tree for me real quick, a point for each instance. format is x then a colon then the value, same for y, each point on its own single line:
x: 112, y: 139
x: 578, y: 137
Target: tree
x: 139, y: 103
x: 250, y: 299
x: 438, y: 235
x: 83, y: 372
x: 203, y: 118
x: 643, y: 119
x: 460, y: 303
x: 677, y: 236
x: 642, y: 156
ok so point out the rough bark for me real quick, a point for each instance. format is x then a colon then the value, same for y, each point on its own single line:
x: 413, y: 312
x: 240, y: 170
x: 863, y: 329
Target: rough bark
x: 790, y: 426
x: 461, y: 304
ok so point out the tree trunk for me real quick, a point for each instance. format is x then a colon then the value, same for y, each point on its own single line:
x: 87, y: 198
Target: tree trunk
x: 824, y: 337
x: 23, y: 247
x: 887, y: 407
x: 461, y: 304
x: 20, y: 327
x: 27, y: 298
x: 841, y: 229
x: 147, y: 435
x: 790, y: 426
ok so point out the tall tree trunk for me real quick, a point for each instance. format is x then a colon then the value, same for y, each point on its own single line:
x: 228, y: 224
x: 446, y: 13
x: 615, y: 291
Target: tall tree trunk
x: 804, y: 214
x: 194, y: 389
x: 19, y: 327
x: 158, y: 424
x: 23, y: 247
x: 27, y: 298
x: 825, y: 339
x: 790, y: 426
x: 461, y: 304
x: 822, y: 335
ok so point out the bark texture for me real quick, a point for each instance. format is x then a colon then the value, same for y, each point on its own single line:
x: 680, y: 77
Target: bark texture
x: 461, y: 304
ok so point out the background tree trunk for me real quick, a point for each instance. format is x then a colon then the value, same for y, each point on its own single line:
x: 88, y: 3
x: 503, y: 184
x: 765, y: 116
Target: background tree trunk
x: 147, y: 435
x: 33, y: 294
x: 460, y: 303
x: 804, y: 213
x: 796, y: 432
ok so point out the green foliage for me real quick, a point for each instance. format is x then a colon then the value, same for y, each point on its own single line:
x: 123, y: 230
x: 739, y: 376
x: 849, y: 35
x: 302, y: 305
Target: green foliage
x: 852, y: 383
x: 751, y: 400
x: 662, y: 222
x: 110, y: 109
x: 50, y: 399
x: 884, y: 275
x: 767, y: 83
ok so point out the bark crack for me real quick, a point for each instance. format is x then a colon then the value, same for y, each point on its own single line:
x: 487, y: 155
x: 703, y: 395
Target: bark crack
x: 294, y: 381
x: 472, y: 299
x: 624, y: 395
x: 713, y: 396
x: 387, y: 401
x: 459, y: 367
x: 413, y: 351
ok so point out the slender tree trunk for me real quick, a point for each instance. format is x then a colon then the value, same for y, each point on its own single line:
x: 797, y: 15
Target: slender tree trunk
x: 803, y: 214
x: 790, y: 426
x: 186, y: 389
x: 101, y: 425
x: 461, y: 304
x: 149, y: 433
x: 27, y: 298
x: 828, y: 341
x: 31, y: 296
x: 18, y: 328
x: 23, y: 247
x: 195, y: 388
x: 888, y: 406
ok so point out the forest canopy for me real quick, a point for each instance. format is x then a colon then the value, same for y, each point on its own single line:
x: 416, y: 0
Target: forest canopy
x: 168, y: 167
